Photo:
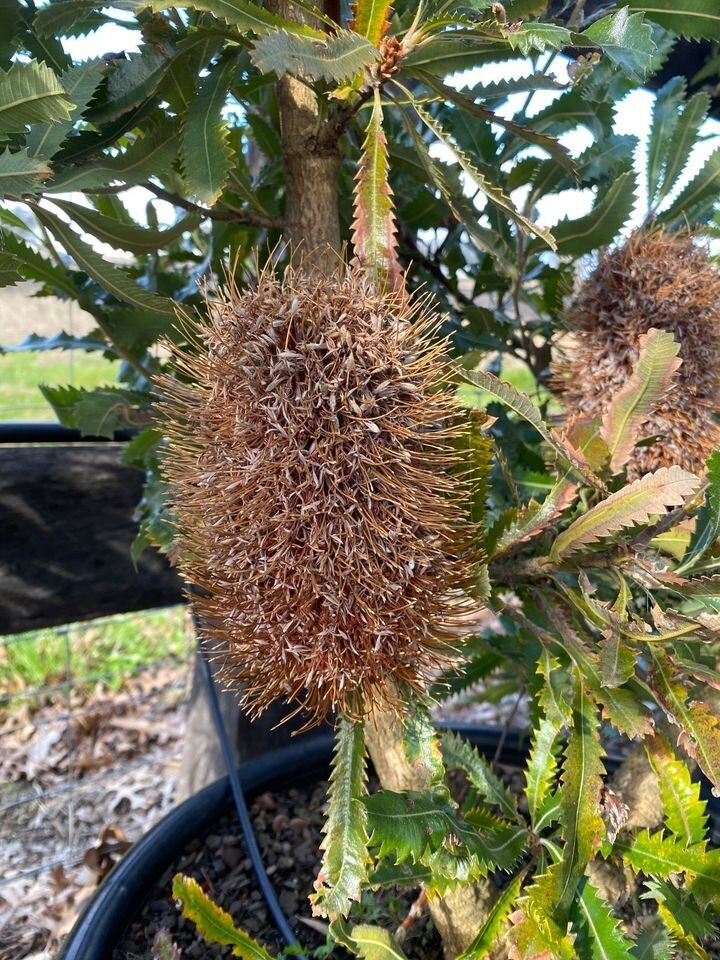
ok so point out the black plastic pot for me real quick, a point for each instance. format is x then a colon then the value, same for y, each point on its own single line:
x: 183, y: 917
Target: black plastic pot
x: 123, y: 893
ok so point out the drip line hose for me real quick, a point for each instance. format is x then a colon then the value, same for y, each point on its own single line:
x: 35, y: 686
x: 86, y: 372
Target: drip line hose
x: 266, y: 888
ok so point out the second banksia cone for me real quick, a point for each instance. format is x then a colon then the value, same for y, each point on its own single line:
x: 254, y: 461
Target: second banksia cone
x: 661, y: 280
x: 308, y: 460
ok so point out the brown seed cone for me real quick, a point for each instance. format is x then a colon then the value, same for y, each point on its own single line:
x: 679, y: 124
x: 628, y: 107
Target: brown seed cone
x: 656, y: 279
x: 311, y: 462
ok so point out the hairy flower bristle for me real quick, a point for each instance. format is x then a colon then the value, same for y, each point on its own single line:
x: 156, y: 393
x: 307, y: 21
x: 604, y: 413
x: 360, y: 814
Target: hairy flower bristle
x: 310, y: 458
x: 662, y: 280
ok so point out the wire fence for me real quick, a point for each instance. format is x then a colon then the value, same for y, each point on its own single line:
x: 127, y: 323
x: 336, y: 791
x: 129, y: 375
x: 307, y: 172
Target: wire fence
x: 91, y: 720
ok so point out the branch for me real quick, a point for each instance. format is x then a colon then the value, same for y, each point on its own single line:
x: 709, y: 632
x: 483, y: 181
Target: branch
x: 248, y: 217
x: 327, y: 138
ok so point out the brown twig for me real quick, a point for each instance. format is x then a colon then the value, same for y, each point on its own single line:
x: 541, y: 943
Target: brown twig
x: 414, y: 913
x: 249, y: 217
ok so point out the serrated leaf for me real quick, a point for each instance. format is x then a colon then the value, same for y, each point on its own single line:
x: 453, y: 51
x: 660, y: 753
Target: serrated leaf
x: 536, y: 517
x: 213, y: 923
x: 35, y: 266
x: 31, y: 93
x: 79, y: 83
x: 684, y: 811
x: 686, y: 944
x: 666, y: 112
x: 371, y: 19
x: 425, y: 829
x: 245, y: 14
x: 487, y: 937
x: 620, y: 706
x: 707, y: 529
x: 627, y: 40
x: 59, y: 341
x: 374, y: 231
x: 654, y: 943
x: 205, y: 152
x: 98, y: 412
x: 461, y: 755
x: 345, y: 857
x: 617, y: 660
x: 527, y: 37
x: 420, y: 744
x: 21, y: 174
x: 662, y: 855
x: 491, y: 191
x: 112, y: 279
x: 9, y: 274
x: 639, y: 502
x: 699, y: 197
x: 612, y: 210
x: 523, y: 406
x: 335, y: 59
x: 542, y: 926
x: 125, y: 236
x: 652, y: 377
x: 374, y: 943
x: 606, y: 939
x: 695, y: 19
x: 131, y: 82
x: 681, y: 906
x: 682, y: 141
x: 699, y: 726
x: 542, y: 764
x: 58, y: 18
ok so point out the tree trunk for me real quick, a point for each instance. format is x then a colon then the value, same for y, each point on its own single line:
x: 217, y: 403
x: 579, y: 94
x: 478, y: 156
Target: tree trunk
x: 312, y: 221
x: 459, y: 914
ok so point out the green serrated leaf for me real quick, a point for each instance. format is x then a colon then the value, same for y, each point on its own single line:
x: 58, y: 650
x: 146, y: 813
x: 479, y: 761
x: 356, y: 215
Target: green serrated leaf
x: 336, y: 59
x: 699, y: 726
x: 490, y: 190
x: 627, y: 40
x: 374, y: 943
x: 21, y: 174
x: 542, y: 764
x: 98, y: 412
x: 79, y: 83
x: 527, y: 37
x: 31, y: 93
x: 682, y: 140
x: 606, y: 939
x: 487, y: 937
x: 461, y: 755
x: 666, y: 112
x: 638, y: 502
x: 652, y: 377
x: 125, y: 236
x: 245, y: 14
x: 697, y: 200
x: 695, y: 19
x: 707, y: 529
x: 213, y: 923
x: 687, y: 915
x: 374, y: 231
x: 345, y: 857
x: 371, y: 18
x: 685, y: 813
x: 113, y: 279
x: 205, y: 152
x: 35, y: 266
x: 662, y: 855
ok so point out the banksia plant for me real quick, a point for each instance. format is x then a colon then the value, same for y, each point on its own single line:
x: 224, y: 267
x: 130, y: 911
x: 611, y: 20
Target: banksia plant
x: 655, y: 280
x: 309, y: 465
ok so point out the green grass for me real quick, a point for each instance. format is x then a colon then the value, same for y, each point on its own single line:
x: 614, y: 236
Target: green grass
x: 20, y: 374
x: 112, y: 647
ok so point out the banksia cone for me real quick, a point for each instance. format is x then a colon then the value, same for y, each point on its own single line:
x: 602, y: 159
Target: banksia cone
x: 662, y: 280
x: 310, y: 464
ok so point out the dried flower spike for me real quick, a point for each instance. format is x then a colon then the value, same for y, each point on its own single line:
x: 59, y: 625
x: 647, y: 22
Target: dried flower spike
x: 662, y: 280
x: 309, y: 461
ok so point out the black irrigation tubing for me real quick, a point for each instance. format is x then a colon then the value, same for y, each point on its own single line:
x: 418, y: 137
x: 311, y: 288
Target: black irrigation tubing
x: 266, y: 888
